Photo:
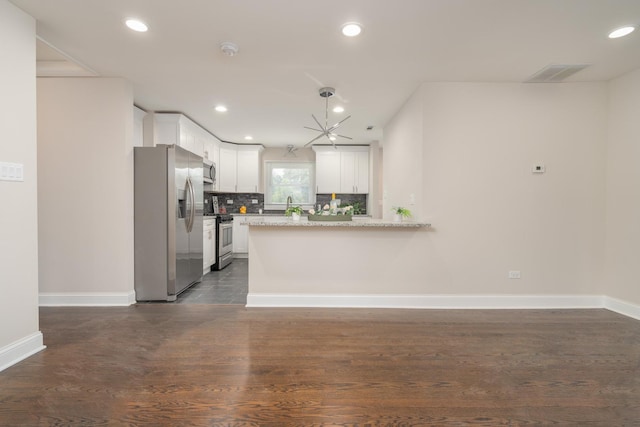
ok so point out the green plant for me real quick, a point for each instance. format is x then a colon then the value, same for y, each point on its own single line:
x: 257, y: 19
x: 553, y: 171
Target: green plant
x: 293, y: 209
x: 403, y: 212
x: 356, y: 207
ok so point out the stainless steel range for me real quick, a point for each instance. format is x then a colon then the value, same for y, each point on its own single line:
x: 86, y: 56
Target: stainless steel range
x: 224, y: 236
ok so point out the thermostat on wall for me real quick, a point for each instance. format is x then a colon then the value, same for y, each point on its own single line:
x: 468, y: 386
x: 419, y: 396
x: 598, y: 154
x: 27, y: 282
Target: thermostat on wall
x: 538, y: 169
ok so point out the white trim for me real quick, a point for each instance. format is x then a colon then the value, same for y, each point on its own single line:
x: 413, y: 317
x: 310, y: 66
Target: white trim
x: 426, y: 301
x: 622, y: 307
x: 87, y: 299
x: 20, y: 350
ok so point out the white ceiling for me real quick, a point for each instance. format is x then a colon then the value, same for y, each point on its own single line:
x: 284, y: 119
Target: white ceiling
x: 291, y: 48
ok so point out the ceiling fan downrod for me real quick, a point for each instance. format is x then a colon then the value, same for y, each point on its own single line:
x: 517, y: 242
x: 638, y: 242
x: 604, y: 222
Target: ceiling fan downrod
x: 326, y: 93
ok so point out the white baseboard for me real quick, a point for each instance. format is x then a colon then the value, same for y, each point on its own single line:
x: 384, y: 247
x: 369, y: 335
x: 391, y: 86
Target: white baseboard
x: 20, y: 350
x: 87, y: 299
x: 426, y: 301
x: 622, y: 307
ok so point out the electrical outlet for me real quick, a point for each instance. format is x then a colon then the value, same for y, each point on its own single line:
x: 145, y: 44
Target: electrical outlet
x: 254, y: 201
x: 229, y: 201
x: 514, y: 274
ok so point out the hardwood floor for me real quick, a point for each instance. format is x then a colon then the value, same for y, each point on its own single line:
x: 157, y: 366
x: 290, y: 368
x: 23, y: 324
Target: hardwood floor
x: 208, y: 365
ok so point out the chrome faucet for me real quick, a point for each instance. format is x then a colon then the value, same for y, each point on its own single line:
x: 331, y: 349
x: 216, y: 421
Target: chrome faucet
x: 289, y: 201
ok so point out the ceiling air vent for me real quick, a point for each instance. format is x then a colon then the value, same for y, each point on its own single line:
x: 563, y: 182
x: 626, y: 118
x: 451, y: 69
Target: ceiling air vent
x: 555, y: 73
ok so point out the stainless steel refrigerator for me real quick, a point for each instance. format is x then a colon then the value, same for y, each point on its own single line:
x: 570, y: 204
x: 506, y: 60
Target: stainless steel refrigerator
x: 168, y: 211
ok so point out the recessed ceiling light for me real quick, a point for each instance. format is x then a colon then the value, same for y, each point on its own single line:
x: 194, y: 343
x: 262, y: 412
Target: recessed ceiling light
x: 621, y: 32
x: 136, y: 25
x: 248, y: 137
x: 338, y: 109
x: 221, y: 109
x: 351, y: 29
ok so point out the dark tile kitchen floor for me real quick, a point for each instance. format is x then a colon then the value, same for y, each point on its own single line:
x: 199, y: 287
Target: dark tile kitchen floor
x: 228, y: 286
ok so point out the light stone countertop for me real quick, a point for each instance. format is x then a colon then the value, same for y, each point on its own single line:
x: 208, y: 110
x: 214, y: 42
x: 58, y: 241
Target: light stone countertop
x: 362, y: 222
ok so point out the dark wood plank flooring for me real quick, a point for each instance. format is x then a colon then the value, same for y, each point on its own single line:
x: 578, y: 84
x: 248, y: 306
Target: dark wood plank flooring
x: 209, y: 365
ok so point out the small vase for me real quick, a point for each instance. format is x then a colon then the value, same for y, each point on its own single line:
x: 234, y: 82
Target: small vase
x: 397, y: 218
x: 295, y: 216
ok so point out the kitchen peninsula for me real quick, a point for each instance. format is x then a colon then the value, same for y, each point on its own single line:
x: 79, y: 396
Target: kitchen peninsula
x: 330, y: 264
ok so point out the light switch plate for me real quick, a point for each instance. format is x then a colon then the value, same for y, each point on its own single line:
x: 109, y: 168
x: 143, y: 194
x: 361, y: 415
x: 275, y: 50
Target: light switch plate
x: 11, y: 171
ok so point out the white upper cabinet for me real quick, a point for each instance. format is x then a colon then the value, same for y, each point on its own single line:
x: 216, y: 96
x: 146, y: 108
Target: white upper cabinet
x: 354, y: 170
x: 239, y: 168
x: 138, y: 126
x: 342, y: 170
x: 227, y: 169
x: 327, y: 171
x: 212, y: 154
x: 248, y: 169
x: 176, y: 129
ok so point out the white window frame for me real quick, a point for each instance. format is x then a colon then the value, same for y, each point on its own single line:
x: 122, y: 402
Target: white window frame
x: 269, y: 165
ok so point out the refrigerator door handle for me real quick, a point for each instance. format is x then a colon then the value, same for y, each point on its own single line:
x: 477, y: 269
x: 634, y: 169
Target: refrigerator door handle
x: 192, y: 209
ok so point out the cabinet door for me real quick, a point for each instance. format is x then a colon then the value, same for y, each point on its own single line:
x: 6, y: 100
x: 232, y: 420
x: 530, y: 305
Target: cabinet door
x: 347, y: 172
x: 214, y: 247
x: 361, y: 172
x: 327, y: 172
x: 248, y: 171
x: 240, y: 235
x: 227, y: 170
x: 209, y: 244
x: 206, y: 248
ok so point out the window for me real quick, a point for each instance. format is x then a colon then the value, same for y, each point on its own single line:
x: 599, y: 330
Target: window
x: 283, y: 179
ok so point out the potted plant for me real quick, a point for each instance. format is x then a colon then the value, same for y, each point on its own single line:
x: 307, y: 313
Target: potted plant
x: 399, y: 213
x: 294, y: 212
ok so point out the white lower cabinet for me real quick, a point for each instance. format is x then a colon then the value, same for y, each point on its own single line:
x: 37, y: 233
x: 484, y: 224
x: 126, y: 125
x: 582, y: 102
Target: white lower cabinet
x: 240, y: 236
x: 209, y: 245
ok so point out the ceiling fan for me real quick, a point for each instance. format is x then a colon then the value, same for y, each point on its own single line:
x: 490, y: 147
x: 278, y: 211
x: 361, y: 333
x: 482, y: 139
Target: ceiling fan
x: 326, y: 130
x: 290, y: 151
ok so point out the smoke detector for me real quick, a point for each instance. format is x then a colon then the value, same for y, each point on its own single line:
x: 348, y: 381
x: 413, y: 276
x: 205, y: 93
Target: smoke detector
x: 229, y: 48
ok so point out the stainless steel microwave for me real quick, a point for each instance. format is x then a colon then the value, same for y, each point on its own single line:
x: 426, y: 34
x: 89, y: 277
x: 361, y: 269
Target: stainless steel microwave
x: 209, y: 172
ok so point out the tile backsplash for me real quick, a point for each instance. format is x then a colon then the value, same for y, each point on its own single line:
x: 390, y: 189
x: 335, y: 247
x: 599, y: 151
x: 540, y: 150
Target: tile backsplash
x: 239, y: 199
x: 246, y: 199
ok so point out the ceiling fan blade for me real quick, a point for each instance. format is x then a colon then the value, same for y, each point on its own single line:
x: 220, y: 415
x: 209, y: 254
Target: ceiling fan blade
x: 324, y: 129
x: 317, y: 130
x: 330, y: 140
x: 342, y: 136
x: 338, y: 124
x: 314, y: 139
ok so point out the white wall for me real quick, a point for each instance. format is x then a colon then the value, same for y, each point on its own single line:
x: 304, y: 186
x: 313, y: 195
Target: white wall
x: 622, y: 268
x: 476, y: 145
x: 85, y: 143
x: 402, y: 158
x: 19, y: 334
